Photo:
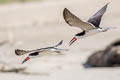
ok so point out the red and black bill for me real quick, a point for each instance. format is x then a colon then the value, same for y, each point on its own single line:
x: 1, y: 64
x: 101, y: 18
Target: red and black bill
x: 26, y: 59
x: 72, y: 41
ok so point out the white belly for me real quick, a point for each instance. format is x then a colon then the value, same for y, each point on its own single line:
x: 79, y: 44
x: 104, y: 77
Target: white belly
x: 90, y: 33
x: 46, y: 52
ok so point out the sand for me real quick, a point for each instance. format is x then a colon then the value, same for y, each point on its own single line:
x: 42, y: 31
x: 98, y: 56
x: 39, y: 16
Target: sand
x: 41, y: 24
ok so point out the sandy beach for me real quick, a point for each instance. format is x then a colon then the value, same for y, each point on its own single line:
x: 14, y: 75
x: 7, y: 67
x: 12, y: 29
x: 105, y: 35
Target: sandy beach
x: 40, y: 24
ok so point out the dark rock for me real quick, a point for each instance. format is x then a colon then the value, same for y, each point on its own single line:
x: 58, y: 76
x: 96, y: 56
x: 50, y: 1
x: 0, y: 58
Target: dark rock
x: 109, y: 57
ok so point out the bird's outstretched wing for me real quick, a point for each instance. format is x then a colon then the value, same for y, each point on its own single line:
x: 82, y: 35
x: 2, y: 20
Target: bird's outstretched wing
x: 60, y: 43
x: 96, y: 18
x: 21, y: 52
x: 73, y: 20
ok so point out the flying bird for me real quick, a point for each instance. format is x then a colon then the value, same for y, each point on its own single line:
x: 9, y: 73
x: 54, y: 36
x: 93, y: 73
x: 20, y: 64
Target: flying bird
x: 88, y: 28
x: 40, y: 52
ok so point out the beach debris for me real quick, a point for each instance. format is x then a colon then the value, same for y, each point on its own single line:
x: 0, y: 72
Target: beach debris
x: 109, y: 57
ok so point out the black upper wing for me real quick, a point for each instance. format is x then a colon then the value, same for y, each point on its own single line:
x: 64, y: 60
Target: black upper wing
x: 96, y: 18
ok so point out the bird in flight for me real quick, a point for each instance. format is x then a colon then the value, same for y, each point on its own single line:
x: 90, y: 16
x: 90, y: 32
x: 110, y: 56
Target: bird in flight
x: 40, y: 52
x: 88, y: 28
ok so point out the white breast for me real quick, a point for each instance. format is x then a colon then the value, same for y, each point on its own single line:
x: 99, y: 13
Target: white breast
x: 92, y: 32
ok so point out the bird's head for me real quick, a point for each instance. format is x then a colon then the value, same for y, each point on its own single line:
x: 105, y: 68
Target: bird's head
x: 31, y: 55
x: 26, y: 59
x: 76, y: 37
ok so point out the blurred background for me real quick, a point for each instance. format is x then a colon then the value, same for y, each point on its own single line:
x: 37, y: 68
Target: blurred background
x: 33, y: 24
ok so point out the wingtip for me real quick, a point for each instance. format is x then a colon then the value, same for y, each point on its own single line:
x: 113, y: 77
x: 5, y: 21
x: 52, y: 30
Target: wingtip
x: 66, y: 15
x: 20, y: 52
x: 65, y: 9
x: 108, y: 3
x: 61, y: 41
x: 16, y: 51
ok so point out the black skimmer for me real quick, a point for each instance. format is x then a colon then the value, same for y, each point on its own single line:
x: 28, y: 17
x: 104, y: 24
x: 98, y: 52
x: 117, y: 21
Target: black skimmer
x: 41, y: 51
x: 88, y: 28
